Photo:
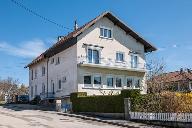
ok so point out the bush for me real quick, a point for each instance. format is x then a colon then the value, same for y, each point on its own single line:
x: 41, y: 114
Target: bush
x: 104, y: 104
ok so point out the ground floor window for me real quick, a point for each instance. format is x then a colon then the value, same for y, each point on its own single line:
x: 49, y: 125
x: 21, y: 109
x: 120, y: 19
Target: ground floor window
x: 110, y: 81
x: 130, y: 82
x: 59, y: 83
x: 97, y: 80
x: 87, y: 80
x: 43, y: 88
x: 118, y: 82
x: 137, y: 83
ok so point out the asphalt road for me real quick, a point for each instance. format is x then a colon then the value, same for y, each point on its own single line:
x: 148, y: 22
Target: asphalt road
x: 13, y: 117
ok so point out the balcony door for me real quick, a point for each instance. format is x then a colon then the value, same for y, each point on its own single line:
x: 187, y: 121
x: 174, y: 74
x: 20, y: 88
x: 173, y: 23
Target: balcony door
x: 93, y: 56
x: 134, y: 61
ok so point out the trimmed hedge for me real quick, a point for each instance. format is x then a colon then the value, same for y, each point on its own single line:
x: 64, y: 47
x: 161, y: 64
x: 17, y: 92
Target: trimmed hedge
x: 104, y: 104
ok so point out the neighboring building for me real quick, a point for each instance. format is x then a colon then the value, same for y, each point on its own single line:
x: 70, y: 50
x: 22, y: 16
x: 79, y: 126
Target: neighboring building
x: 178, y: 81
x: 103, y: 55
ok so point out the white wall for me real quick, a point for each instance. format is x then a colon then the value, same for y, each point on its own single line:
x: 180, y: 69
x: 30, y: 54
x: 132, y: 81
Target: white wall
x: 120, y: 42
x: 67, y: 68
x: 39, y: 80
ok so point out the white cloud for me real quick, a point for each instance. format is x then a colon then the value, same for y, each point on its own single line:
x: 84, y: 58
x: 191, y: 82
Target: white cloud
x: 27, y: 49
x: 174, y: 46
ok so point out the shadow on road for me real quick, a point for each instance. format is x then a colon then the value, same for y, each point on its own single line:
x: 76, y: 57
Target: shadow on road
x: 22, y: 107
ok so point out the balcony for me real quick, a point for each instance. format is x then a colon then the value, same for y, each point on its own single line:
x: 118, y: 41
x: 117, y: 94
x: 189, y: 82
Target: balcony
x: 49, y: 95
x: 112, y: 64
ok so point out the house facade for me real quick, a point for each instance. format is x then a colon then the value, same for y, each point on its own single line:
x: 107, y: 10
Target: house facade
x: 101, y: 57
x: 177, y: 81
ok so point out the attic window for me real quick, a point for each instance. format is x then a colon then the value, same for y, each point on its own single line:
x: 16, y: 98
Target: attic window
x: 105, y: 32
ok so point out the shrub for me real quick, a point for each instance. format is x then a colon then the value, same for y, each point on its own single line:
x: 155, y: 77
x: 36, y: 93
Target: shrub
x: 104, y: 104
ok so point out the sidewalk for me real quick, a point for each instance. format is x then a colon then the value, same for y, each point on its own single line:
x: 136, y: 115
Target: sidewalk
x: 122, y: 123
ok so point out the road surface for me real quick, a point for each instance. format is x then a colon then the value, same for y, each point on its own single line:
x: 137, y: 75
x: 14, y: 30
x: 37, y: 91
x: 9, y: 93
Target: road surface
x: 12, y: 117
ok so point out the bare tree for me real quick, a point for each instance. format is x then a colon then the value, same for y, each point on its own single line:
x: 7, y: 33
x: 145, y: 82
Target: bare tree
x: 156, y: 80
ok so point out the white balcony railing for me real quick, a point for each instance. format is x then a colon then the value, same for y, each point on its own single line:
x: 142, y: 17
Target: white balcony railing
x: 109, y: 63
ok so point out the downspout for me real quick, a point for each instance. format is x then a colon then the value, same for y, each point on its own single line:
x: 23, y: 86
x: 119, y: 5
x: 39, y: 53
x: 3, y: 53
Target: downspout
x: 47, y: 76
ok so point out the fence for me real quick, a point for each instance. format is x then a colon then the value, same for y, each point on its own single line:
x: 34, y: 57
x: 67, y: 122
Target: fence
x: 180, y: 117
x: 176, y: 117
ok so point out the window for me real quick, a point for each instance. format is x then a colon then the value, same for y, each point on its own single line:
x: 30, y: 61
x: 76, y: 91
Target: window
x: 52, y: 60
x: 118, y: 82
x: 129, y: 82
x: 32, y: 74
x: 35, y: 90
x: 93, y: 56
x: 31, y: 91
x: 97, y: 80
x: 59, y: 84
x: 109, y: 81
x: 190, y: 85
x: 87, y: 79
x: 35, y: 73
x: 43, y: 88
x: 43, y: 71
x: 134, y: 61
x: 105, y: 32
x: 120, y: 56
x: 137, y: 83
x: 57, y: 61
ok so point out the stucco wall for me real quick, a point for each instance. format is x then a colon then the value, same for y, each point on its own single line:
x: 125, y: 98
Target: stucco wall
x: 39, y: 80
x: 120, y: 42
x: 67, y: 68
x: 104, y: 73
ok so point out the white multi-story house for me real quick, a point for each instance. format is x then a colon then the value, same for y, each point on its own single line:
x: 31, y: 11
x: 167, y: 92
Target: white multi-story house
x: 101, y: 57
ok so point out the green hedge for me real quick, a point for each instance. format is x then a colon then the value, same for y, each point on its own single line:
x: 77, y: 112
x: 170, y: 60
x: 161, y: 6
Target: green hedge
x: 104, y: 104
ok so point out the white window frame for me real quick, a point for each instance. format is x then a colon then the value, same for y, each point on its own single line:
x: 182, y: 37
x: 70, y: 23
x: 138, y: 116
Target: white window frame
x: 93, y: 48
x: 59, y: 80
x: 121, y: 77
x: 110, y: 76
x: 35, y: 74
x: 133, y: 80
x: 137, y: 60
x: 102, y: 36
x: 57, y: 60
x: 43, y: 70
x: 190, y: 85
x: 97, y: 85
x: 43, y: 88
x: 88, y: 85
x: 52, y: 60
x: 36, y: 88
x: 119, y: 52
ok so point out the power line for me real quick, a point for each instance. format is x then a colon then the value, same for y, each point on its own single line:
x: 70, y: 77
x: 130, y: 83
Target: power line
x: 38, y: 15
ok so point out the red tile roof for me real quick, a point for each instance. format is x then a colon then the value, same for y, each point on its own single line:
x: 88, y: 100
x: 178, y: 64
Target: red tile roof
x: 148, y: 47
x: 174, y: 76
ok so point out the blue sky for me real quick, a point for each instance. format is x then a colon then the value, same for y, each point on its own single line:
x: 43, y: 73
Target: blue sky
x: 167, y: 24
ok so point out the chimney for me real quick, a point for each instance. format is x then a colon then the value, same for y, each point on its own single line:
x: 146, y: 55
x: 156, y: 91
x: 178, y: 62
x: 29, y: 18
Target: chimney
x: 75, y: 26
x: 59, y: 38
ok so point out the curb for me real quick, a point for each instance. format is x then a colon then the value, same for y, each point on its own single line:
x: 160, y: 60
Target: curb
x: 96, y: 119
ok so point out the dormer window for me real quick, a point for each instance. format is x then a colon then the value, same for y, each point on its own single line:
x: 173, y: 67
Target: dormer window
x: 105, y: 32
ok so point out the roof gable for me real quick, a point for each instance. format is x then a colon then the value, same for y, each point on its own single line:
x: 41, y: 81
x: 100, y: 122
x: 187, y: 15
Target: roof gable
x: 65, y: 40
